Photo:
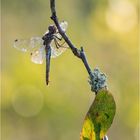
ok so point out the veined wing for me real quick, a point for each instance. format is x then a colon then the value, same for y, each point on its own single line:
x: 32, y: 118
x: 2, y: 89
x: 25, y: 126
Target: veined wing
x: 25, y: 45
x: 22, y: 44
x: 37, y: 56
x: 36, y: 43
x: 57, y: 51
x: 37, y: 50
x: 34, y: 46
x: 64, y: 26
x: 58, y: 45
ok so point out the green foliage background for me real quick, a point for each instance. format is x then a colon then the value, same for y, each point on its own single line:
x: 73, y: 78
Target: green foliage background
x: 33, y: 111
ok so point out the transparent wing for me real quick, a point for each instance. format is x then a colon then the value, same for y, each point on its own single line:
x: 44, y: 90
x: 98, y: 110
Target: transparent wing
x: 37, y: 50
x: 34, y: 46
x: 36, y: 43
x: 56, y: 50
x: 63, y: 25
x: 25, y: 45
x: 22, y: 44
x: 58, y: 45
x: 37, y: 56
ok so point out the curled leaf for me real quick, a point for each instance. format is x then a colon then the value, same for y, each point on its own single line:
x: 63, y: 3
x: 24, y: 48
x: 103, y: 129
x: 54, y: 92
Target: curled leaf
x: 99, y: 117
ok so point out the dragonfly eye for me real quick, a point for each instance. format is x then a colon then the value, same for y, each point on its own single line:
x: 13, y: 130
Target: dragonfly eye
x: 52, y: 29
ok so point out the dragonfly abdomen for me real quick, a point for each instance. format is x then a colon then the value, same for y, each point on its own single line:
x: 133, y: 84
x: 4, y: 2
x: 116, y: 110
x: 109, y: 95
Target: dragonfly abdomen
x: 48, y: 57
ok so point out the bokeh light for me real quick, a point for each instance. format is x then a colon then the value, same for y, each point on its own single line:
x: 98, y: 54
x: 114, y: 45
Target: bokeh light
x: 121, y: 16
x: 27, y: 101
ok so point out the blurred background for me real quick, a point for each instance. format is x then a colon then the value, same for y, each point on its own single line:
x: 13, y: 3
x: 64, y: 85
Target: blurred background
x: 108, y: 31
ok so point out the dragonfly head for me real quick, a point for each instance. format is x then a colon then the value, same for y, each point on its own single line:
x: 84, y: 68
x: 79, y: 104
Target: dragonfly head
x: 52, y: 29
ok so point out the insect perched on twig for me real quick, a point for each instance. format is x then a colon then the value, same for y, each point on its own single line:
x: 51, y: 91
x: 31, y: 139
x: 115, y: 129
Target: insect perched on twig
x: 49, y: 46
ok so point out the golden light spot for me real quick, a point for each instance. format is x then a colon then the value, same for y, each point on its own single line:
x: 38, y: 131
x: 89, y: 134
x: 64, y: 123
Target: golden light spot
x: 121, y: 16
x: 27, y: 101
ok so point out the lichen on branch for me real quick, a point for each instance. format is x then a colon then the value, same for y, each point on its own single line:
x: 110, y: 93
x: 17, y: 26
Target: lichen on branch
x: 97, y: 80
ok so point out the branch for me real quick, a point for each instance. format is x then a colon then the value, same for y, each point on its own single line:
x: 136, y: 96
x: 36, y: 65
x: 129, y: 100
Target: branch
x: 79, y: 53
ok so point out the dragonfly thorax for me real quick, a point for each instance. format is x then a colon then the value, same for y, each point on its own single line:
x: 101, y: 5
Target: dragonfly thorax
x: 49, y: 36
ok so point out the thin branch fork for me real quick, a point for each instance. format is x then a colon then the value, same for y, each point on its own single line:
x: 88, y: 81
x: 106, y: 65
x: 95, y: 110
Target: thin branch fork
x: 79, y: 53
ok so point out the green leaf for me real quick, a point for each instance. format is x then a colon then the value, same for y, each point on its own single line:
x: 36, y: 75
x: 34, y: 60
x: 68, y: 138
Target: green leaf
x: 99, y: 117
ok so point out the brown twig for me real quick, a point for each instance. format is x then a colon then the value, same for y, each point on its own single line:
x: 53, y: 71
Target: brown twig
x: 79, y: 53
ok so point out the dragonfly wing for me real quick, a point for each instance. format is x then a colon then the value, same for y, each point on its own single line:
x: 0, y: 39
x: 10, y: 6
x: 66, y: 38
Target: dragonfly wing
x: 64, y: 25
x: 38, y: 55
x: 58, y: 45
x: 56, y: 51
x: 36, y: 43
x: 25, y: 45
x: 22, y: 44
x: 34, y: 46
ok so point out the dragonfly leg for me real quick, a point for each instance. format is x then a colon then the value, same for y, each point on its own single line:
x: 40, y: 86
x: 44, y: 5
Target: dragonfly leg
x: 56, y: 43
x: 62, y: 44
x: 58, y: 37
x: 59, y: 45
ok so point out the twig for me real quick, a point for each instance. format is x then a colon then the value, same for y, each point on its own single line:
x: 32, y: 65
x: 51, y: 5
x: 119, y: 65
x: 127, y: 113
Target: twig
x: 79, y: 53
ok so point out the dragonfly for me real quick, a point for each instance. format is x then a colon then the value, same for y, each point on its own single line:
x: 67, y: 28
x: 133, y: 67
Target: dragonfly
x: 50, y: 45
